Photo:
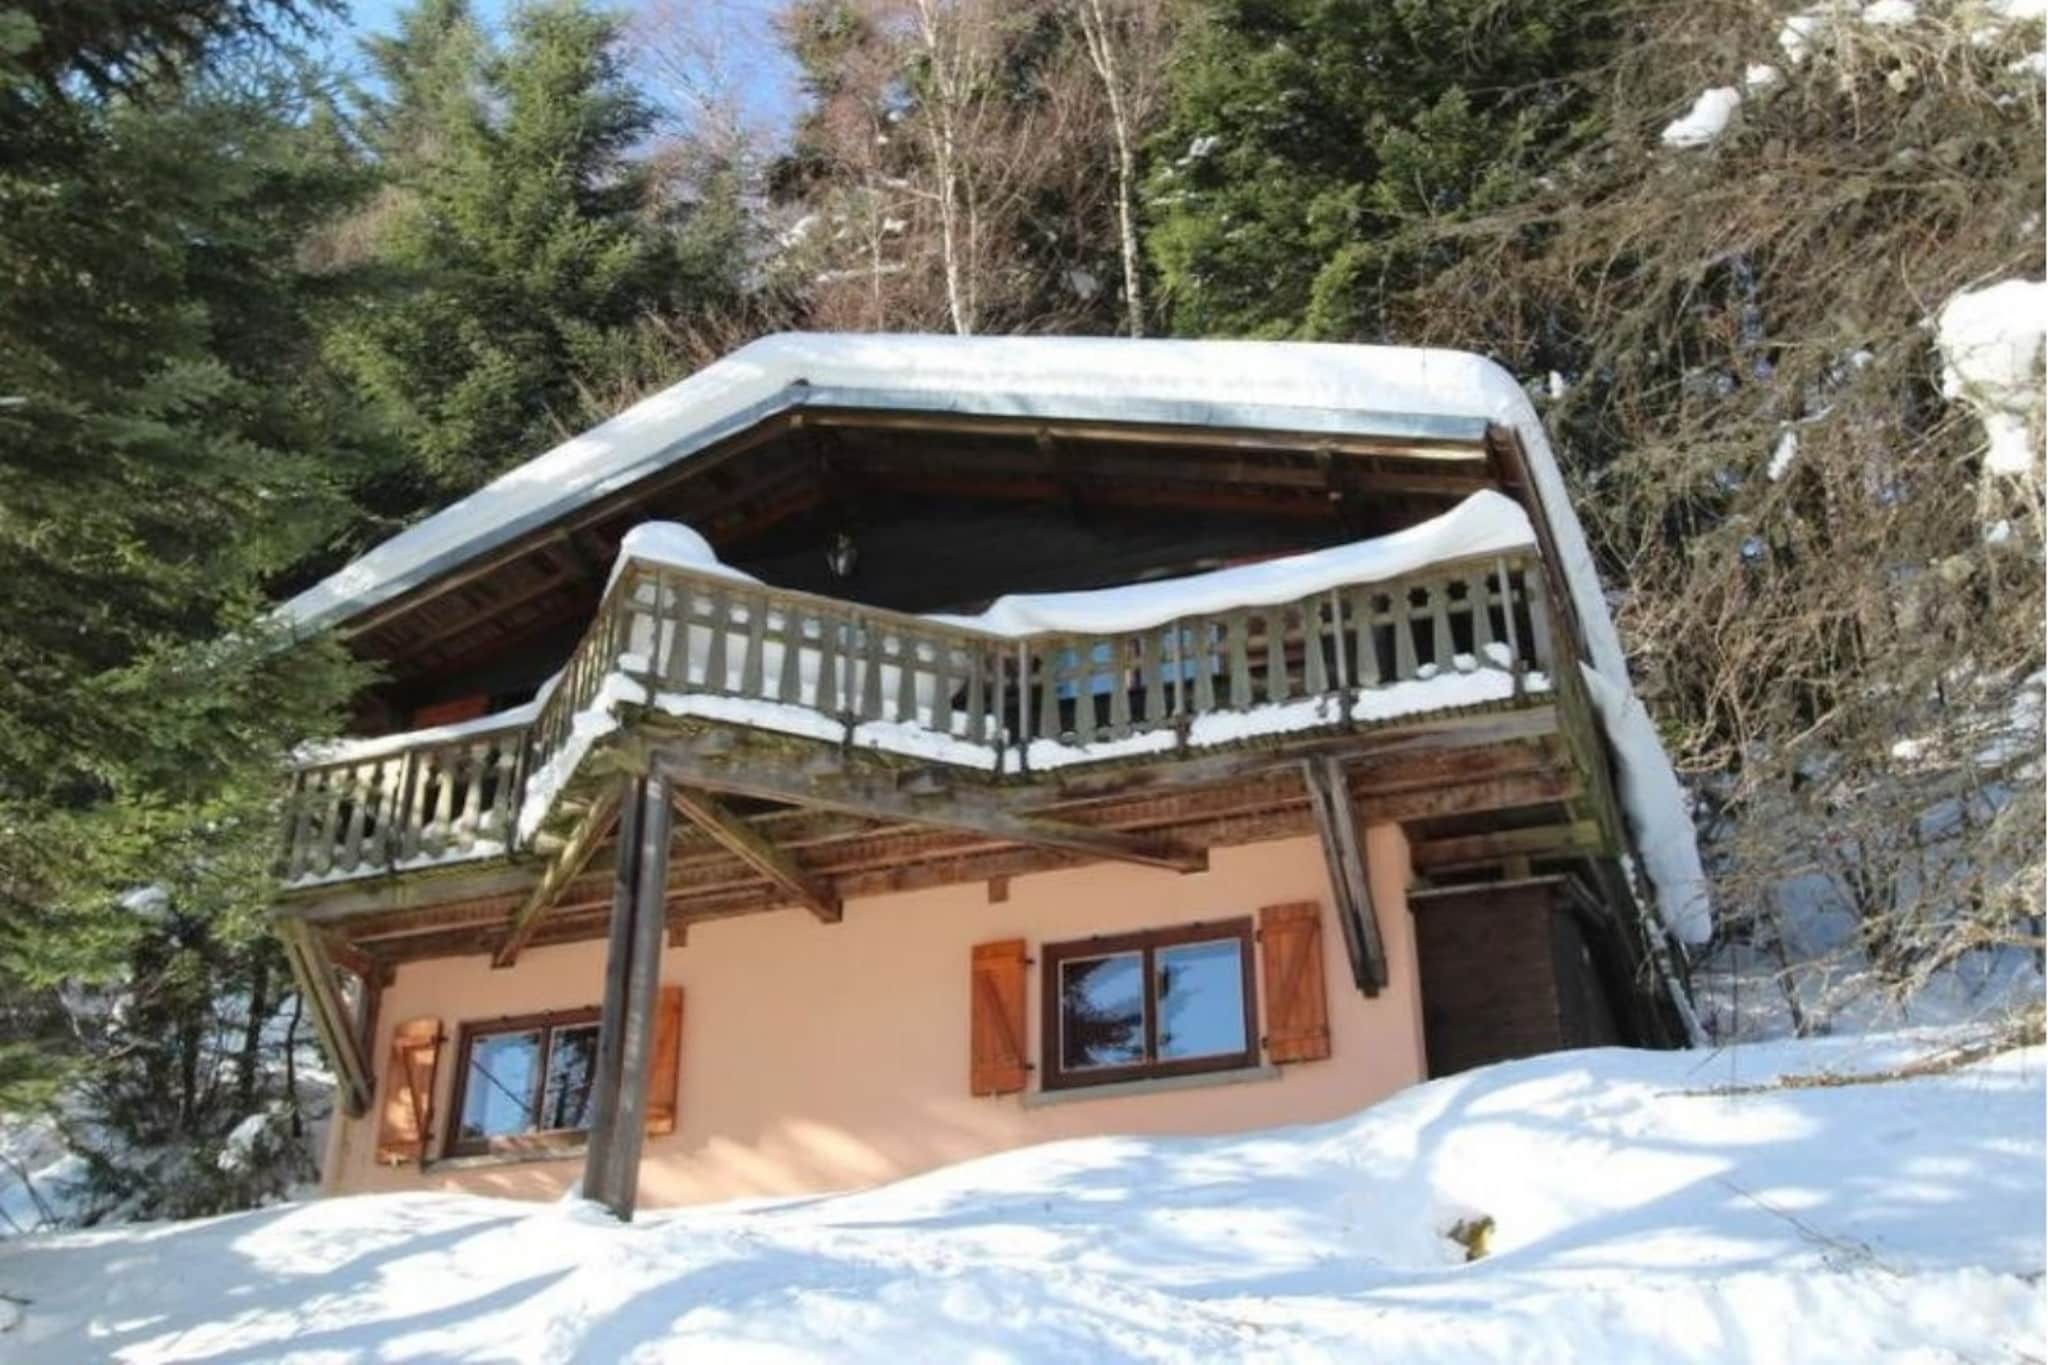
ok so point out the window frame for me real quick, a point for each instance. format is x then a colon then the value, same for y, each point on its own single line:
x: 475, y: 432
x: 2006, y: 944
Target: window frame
x: 468, y: 1035
x: 1146, y: 943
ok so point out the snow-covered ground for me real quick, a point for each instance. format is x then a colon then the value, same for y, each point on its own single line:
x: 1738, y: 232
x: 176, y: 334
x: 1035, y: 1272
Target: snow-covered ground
x: 1645, y: 1207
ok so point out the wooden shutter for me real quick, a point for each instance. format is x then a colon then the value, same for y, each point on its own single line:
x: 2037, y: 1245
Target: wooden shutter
x: 664, y: 1062
x: 1291, y: 951
x: 407, y: 1118
x: 998, y: 1060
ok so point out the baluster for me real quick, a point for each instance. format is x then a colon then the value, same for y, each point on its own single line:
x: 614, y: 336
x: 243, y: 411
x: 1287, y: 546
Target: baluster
x: 1338, y: 641
x: 330, y: 818
x: 1539, y: 617
x: 719, y: 613
x: 1236, y: 642
x: 390, y: 812
x: 410, y: 797
x: 504, y: 762
x: 357, y: 786
x: 1120, y: 686
x: 615, y: 625
x: 1400, y: 606
x: 941, y: 673
x: 472, y: 799
x: 1315, y: 669
x: 1441, y: 642
x: 757, y: 645
x: 1482, y: 615
x: 1178, y: 666
x: 977, y: 695
x: 1202, y: 636
x: 1149, y: 673
x: 444, y: 806
x: 908, y: 662
x: 790, y: 687
x: 1049, y: 689
x: 825, y: 690
x: 298, y: 830
x: 1364, y: 613
x: 872, y: 642
x: 1277, y: 689
x: 1023, y: 695
x: 1507, y: 615
x: 1088, y: 694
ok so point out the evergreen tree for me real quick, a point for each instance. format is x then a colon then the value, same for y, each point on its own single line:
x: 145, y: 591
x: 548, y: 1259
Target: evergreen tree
x: 166, y: 446
x: 1316, y: 148
x: 520, y: 240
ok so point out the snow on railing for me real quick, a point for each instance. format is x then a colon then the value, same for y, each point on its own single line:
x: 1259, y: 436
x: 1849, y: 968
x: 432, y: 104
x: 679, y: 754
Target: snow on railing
x: 693, y: 642
x: 394, y: 806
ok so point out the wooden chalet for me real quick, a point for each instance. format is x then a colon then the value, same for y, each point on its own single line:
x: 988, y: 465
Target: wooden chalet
x: 1270, y: 782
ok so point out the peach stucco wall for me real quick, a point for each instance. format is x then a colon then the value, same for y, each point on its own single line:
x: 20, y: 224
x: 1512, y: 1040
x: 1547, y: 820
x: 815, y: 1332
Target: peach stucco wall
x: 819, y: 1057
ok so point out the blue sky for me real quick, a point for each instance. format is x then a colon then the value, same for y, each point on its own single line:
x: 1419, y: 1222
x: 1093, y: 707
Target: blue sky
x: 764, y: 77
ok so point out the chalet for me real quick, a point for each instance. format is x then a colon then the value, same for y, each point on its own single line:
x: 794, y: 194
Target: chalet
x: 878, y: 751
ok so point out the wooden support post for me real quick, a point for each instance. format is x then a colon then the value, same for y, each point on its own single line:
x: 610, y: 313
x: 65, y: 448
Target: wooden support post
x: 313, y: 971
x: 611, y: 1169
x: 1329, y: 793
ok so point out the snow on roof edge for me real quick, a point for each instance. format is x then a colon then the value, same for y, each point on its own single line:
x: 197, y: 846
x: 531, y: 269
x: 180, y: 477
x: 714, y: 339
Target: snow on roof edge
x: 1306, y: 386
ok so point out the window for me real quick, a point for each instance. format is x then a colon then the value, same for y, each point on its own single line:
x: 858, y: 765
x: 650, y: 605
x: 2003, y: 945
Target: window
x: 1163, y: 1003
x: 524, y: 1082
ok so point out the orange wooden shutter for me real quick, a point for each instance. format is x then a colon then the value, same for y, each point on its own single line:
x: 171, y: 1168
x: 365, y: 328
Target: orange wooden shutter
x: 407, y: 1117
x: 1291, y: 950
x: 998, y: 1062
x: 664, y: 1062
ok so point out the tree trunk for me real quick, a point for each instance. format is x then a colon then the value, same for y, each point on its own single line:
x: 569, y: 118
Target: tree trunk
x: 1100, y: 41
x: 291, y: 1065
x: 252, y: 1035
x: 1127, y: 224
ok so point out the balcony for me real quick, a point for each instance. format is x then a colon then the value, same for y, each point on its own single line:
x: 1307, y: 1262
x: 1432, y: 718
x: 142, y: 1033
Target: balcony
x: 1011, y: 705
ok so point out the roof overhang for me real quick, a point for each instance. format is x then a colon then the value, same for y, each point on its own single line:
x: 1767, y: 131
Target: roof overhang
x: 1418, y: 404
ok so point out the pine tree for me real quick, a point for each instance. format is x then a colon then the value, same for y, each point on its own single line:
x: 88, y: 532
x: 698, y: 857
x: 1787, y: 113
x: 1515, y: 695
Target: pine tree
x: 521, y: 241
x: 166, y: 444
x: 1317, y: 147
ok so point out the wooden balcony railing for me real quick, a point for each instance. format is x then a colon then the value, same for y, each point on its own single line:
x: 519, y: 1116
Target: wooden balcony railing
x: 390, y: 806
x: 750, y: 654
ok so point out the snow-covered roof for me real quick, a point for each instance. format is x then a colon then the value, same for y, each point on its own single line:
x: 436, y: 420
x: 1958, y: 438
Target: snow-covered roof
x: 1286, y: 386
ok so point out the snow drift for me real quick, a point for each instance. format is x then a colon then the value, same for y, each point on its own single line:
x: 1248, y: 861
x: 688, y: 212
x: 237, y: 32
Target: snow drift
x: 1644, y: 1206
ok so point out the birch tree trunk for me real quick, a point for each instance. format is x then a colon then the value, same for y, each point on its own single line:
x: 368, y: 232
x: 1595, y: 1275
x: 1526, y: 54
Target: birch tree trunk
x: 1097, y: 34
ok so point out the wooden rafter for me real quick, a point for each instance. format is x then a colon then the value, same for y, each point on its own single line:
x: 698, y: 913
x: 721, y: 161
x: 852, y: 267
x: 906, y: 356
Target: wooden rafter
x: 777, y: 779
x: 583, y: 841
x: 306, y: 950
x: 747, y: 844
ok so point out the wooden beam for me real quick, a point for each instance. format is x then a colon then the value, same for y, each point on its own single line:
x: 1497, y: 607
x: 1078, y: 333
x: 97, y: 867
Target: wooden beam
x: 746, y: 843
x: 1578, y: 838
x: 1344, y: 852
x: 313, y: 970
x: 561, y: 870
x: 1466, y: 798
x: 1247, y: 439
x: 768, y: 777
x: 1399, y: 741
